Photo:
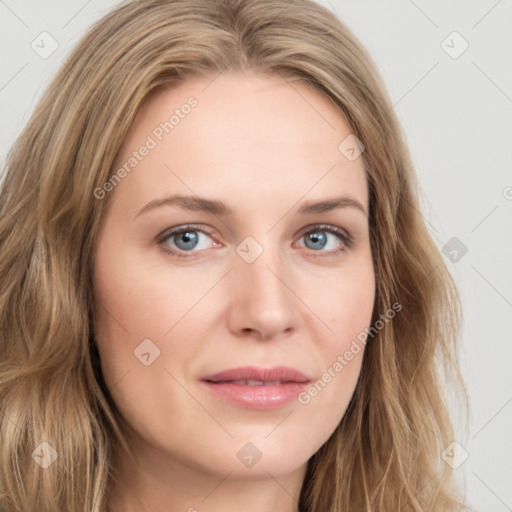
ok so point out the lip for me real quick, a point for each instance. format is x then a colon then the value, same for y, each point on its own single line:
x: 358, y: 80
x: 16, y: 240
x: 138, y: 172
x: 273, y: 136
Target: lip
x: 280, y: 386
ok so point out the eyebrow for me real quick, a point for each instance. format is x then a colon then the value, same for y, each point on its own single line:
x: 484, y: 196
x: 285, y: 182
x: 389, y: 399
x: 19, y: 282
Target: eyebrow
x: 312, y: 207
x: 195, y: 203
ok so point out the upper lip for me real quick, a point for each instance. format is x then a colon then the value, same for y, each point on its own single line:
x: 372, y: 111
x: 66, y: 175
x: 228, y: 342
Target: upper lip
x: 275, y: 374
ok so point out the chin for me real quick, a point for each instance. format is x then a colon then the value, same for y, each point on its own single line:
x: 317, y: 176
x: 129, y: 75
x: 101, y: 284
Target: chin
x: 257, y: 458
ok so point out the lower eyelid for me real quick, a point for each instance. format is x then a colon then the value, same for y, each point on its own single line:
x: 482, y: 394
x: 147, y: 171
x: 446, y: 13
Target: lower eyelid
x: 346, y: 244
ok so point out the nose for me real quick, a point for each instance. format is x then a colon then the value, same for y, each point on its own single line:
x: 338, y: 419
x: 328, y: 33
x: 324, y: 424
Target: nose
x: 262, y: 302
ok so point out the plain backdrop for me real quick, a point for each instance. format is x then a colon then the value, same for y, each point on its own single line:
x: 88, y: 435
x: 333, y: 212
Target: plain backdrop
x: 447, y: 67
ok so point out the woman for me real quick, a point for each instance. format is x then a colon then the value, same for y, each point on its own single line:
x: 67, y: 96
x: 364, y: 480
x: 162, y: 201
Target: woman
x: 218, y: 290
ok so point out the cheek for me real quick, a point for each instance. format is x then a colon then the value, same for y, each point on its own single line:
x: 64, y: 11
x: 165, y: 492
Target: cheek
x: 345, y: 303
x: 140, y: 300
x: 140, y: 313
x: 128, y: 308
x: 346, y: 306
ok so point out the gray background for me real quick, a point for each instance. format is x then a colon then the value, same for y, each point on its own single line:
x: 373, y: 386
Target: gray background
x: 456, y: 111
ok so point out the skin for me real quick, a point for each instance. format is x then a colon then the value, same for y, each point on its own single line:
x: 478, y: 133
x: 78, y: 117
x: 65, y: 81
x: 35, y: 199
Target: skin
x: 263, y: 147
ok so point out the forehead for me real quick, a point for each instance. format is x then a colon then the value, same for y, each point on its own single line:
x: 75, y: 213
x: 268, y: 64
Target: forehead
x: 256, y: 137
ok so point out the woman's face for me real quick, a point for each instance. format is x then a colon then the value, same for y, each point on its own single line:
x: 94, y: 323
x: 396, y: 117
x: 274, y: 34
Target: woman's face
x: 261, y: 283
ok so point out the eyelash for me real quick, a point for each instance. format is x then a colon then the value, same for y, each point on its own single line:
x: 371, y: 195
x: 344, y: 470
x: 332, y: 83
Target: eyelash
x: 342, y: 235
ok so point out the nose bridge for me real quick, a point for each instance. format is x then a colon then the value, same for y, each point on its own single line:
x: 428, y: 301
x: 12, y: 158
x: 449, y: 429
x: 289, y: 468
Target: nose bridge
x: 262, y: 299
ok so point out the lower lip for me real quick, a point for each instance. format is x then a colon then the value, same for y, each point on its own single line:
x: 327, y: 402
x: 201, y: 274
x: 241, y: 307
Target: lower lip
x: 258, y: 397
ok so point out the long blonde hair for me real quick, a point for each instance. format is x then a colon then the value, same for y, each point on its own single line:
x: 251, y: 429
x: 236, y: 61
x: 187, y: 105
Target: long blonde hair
x: 385, y: 454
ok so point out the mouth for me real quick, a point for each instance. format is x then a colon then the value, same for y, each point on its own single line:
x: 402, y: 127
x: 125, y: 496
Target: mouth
x: 251, y: 382
x: 257, y: 388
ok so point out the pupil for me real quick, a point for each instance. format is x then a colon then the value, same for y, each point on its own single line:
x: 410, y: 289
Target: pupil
x: 189, y: 239
x: 318, y: 239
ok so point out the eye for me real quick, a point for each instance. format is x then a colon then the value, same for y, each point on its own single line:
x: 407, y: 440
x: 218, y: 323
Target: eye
x: 321, y: 238
x: 328, y: 239
x: 188, y: 238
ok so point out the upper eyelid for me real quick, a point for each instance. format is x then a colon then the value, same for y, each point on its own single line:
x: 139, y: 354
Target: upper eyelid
x: 178, y: 229
x: 319, y: 226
